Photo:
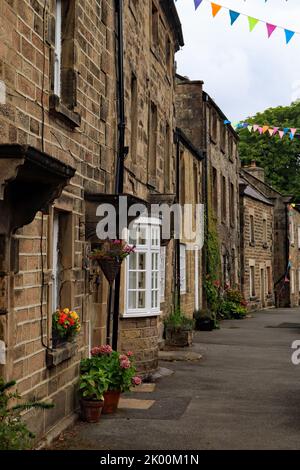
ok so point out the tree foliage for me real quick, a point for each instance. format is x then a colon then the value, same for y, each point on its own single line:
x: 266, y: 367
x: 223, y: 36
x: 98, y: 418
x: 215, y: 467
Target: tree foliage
x: 279, y: 158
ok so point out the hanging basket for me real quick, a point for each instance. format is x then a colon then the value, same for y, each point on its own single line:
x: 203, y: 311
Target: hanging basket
x: 110, y: 267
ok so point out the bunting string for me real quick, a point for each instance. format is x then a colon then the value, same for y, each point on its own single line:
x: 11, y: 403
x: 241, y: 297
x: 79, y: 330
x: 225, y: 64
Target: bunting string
x: 252, y: 21
x: 291, y: 132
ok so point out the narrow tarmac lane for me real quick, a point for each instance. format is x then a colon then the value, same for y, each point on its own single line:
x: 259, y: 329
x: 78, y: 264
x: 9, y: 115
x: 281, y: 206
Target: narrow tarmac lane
x: 243, y: 394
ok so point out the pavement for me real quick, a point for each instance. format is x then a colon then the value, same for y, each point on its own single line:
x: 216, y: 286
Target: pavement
x: 243, y: 394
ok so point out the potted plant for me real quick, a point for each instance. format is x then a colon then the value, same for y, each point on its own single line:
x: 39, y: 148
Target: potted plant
x: 233, y: 305
x: 205, y: 320
x: 65, y: 326
x: 179, y: 329
x: 119, y: 370
x: 110, y: 257
x: 92, y: 386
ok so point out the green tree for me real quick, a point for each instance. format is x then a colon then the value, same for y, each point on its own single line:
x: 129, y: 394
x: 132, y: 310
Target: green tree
x: 279, y: 158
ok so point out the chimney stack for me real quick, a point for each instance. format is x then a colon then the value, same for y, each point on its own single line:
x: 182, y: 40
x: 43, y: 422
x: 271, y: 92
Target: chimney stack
x: 255, y: 170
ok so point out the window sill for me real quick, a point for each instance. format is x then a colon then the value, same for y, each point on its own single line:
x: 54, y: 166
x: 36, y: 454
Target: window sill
x: 140, y: 315
x: 55, y: 357
x: 58, y: 109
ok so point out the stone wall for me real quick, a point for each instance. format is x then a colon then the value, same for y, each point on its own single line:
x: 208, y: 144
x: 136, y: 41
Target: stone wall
x: 149, y: 73
x: 82, y: 135
x: 257, y: 254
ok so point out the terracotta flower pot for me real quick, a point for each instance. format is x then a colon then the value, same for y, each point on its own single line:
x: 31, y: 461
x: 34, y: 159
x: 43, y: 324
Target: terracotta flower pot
x: 91, y: 410
x: 110, y: 267
x: 111, y: 401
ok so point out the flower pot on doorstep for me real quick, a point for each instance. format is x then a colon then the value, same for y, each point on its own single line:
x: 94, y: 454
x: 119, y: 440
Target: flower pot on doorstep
x: 110, y: 268
x: 111, y: 401
x: 91, y: 410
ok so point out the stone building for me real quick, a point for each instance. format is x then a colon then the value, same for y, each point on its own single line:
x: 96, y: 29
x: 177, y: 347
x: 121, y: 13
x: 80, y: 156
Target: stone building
x: 257, y: 224
x: 285, y: 238
x: 190, y: 244
x: 203, y: 123
x: 62, y: 124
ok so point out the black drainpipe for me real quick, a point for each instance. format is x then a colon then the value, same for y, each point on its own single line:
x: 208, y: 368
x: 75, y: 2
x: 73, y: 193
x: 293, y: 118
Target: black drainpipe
x: 177, y: 241
x: 122, y: 150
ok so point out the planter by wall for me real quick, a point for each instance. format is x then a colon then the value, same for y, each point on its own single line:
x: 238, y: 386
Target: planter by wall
x: 111, y: 401
x: 91, y: 410
x: 179, y: 337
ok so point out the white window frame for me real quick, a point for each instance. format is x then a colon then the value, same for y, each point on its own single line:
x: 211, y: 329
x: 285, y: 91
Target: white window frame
x: 292, y: 281
x: 163, y: 252
x: 265, y: 229
x: 182, y: 268
x: 292, y: 231
x: 58, y: 48
x: 150, y: 248
x: 55, y: 261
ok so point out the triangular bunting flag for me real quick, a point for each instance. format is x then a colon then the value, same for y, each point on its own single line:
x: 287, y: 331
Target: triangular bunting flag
x: 197, y: 3
x: 271, y: 132
x: 233, y: 16
x: 270, y: 28
x: 288, y: 35
x: 252, y: 23
x: 255, y: 127
x: 264, y: 129
x: 285, y: 130
x: 293, y: 130
x: 250, y: 128
x: 260, y: 130
x: 215, y: 9
x: 275, y: 130
x: 281, y: 134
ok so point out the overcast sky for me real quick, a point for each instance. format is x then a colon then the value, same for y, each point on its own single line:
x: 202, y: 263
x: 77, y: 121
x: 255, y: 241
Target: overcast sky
x: 243, y: 72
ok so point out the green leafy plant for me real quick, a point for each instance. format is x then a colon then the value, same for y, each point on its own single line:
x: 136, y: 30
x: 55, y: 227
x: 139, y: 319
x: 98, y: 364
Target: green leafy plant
x: 278, y: 157
x: 92, y: 384
x: 206, y: 315
x: 14, y: 434
x: 233, y: 305
x: 118, y: 369
x: 178, y: 320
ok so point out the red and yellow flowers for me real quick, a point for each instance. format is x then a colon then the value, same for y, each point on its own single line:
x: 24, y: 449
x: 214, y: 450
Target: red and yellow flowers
x: 66, y: 323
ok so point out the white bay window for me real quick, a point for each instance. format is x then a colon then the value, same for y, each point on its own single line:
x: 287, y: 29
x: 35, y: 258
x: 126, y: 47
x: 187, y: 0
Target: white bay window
x: 143, y: 269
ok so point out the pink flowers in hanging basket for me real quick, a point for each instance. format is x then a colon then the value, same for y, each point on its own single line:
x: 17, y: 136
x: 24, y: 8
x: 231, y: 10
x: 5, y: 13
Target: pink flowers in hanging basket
x: 113, y: 250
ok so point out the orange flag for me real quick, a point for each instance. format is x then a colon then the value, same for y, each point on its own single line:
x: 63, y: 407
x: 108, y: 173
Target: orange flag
x: 265, y: 128
x: 215, y: 8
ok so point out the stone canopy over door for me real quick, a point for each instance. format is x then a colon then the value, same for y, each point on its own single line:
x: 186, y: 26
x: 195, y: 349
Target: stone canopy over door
x: 30, y: 181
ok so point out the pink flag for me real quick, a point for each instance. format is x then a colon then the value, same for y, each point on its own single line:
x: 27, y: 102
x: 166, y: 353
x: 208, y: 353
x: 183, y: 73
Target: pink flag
x: 255, y: 127
x: 293, y: 131
x: 270, y: 28
x: 260, y: 130
x: 281, y: 134
x: 275, y: 130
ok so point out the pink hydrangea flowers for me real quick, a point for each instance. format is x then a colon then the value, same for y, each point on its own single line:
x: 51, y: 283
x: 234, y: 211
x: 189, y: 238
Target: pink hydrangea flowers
x: 136, y: 380
x: 99, y: 350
